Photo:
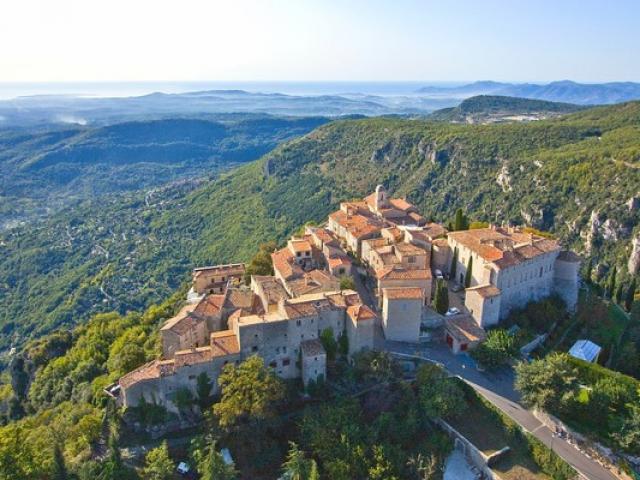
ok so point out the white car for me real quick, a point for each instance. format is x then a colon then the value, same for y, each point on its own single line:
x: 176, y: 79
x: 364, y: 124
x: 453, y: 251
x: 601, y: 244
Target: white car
x: 452, y: 311
x: 183, y: 468
x: 439, y: 275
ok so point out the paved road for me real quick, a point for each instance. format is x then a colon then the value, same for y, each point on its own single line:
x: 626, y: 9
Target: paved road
x: 498, y: 389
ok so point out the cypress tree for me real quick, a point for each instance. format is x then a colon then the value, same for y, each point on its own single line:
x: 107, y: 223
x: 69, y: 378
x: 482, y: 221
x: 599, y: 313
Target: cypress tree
x: 612, y: 282
x: 441, y: 300
x: 459, y: 220
x: 467, y: 275
x: 619, y: 292
x: 454, y: 264
x: 628, y: 300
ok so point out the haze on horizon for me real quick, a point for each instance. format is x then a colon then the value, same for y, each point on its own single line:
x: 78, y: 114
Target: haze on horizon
x: 358, y: 40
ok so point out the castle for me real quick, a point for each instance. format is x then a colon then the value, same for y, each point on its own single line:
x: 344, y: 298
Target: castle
x: 383, y: 240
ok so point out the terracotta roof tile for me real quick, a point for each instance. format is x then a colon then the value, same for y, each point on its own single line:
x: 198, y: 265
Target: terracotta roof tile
x: 407, y: 293
x: 224, y: 343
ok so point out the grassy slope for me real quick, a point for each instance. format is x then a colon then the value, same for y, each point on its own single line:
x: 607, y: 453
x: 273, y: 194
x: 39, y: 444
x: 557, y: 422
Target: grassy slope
x: 559, y: 172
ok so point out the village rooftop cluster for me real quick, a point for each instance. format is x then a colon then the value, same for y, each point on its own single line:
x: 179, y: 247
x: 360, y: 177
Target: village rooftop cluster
x: 392, y: 253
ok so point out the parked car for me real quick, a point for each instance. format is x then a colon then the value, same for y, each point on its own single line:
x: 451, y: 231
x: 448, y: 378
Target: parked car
x: 439, y: 274
x: 183, y: 468
x: 452, y: 311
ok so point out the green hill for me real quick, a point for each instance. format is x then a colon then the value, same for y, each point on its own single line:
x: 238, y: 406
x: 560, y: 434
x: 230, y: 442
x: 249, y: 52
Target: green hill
x: 126, y: 252
x: 492, y: 108
x: 43, y: 170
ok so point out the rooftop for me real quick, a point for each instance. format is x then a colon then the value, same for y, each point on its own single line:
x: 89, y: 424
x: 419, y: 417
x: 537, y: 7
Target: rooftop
x: 585, y: 350
x: 224, y: 343
x: 311, y: 348
x: 179, y: 317
x: 229, y: 269
x: 400, y: 273
x: 360, y: 313
x: 464, y: 328
x: 406, y: 293
x: 485, y: 291
x: 504, y: 247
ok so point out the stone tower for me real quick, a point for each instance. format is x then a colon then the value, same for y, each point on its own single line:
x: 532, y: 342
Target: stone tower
x: 381, y: 198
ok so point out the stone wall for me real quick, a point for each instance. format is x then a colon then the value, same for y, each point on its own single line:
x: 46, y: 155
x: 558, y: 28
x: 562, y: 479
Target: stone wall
x: 470, y: 451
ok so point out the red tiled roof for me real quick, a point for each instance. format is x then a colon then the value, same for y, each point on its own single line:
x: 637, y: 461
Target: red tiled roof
x: 360, y: 313
x: 224, y: 343
x: 407, y: 293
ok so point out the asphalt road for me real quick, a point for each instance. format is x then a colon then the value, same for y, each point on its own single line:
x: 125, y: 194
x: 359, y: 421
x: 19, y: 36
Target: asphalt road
x: 498, y: 389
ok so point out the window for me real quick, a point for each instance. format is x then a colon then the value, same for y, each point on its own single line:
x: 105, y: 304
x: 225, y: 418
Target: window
x: 192, y: 377
x: 297, y: 254
x: 540, y: 271
x: 298, y: 323
x: 273, y: 364
x: 284, y: 349
x: 254, y: 348
x: 411, y: 259
x: 286, y: 362
x: 277, y: 349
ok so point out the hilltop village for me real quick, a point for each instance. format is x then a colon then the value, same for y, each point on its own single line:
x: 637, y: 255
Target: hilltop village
x: 393, y: 257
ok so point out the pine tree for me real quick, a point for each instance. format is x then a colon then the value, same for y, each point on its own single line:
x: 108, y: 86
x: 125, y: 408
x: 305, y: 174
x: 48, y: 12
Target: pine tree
x: 158, y: 465
x: 296, y: 466
x: 313, y: 472
x: 631, y: 291
x: 467, y: 275
x: 212, y: 466
x: 454, y: 264
x: 59, y: 467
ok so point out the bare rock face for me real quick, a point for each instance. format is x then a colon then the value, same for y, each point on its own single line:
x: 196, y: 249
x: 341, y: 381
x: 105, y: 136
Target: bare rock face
x: 503, y: 179
x: 633, y: 204
x: 429, y: 151
x: 592, y: 231
x: 608, y: 230
x: 634, y: 258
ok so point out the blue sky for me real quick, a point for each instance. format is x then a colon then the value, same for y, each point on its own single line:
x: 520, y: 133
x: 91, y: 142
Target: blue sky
x: 324, y: 40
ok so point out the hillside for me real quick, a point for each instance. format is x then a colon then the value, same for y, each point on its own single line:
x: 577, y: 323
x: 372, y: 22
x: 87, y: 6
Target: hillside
x: 561, y: 91
x: 44, y: 170
x: 128, y: 253
x: 495, y: 108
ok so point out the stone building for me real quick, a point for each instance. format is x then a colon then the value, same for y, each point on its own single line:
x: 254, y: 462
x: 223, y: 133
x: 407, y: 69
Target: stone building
x: 402, y: 313
x: 511, y: 267
x: 216, y: 279
x: 263, y: 320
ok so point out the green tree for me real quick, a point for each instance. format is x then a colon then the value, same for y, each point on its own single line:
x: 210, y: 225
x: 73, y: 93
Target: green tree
x: 611, y: 288
x: 454, y: 264
x: 467, y: 274
x: 588, y: 271
x: 629, y: 297
x: 314, y: 474
x: 549, y: 384
x: 261, y: 263
x: 496, y: 350
x: 296, y: 465
x: 441, y: 298
x: 343, y: 344
x: 213, y: 467
x: 184, y: 399
x: 203, y: 390
x: 329, y: 343
x: 628, y: 437
x: 619, y: 293
x: 250, y: 393
x: 158, y: 464
x: 381, y: 469
x: 347, y: 283
x: 461, y: 222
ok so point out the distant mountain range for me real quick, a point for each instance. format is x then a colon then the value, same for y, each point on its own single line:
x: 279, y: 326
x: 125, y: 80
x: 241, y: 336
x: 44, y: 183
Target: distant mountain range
x: 562, y: 91
x: 37, y: 110
x: 64, y: 109
x: 495, y: 108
